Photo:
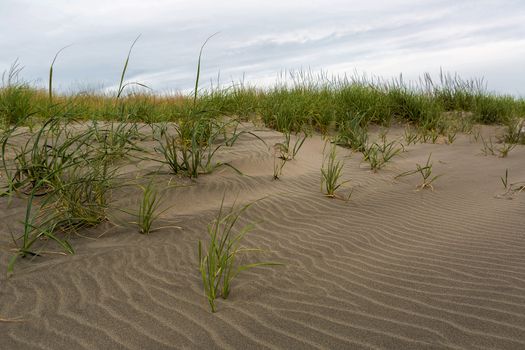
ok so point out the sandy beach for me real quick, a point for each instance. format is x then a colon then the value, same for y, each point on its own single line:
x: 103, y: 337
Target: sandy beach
x: 391, y: 268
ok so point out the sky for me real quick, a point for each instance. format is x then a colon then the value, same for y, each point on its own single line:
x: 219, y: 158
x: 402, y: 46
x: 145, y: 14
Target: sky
x: 258, y: 40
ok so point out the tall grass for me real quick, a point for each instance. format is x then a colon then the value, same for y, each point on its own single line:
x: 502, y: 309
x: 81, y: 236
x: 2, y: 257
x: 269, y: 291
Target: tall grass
x: 18, y: 101
x: 67, y: 171
x: 191, y: 149
x: 308, y: 100
x: 68, y: 179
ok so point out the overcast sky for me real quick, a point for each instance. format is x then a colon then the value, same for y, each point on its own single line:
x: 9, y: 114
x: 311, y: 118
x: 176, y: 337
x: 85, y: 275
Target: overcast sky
x: 262, y: 38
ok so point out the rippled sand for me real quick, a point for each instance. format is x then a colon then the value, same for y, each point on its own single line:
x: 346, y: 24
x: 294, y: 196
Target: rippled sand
x: 393, y: 268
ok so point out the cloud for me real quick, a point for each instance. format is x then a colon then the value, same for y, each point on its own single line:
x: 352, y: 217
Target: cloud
x: 259, y: 39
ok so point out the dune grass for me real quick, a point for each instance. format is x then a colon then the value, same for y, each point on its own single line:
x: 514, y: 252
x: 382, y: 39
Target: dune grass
x: 149, y: 209
x: 427, y: 177
x: 278, y: 164
x: 67, y: 177
x: 287, y: 149
x: 489, y: 148
x: 379, y: 153
x: 505, y: 179
x: 331, y: 173
x: 303, y: 99
x: 67, y: 168
x: 218, y: 259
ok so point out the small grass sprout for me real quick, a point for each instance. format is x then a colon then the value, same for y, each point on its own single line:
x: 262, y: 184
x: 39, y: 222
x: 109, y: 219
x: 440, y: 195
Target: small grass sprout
x: 511, y: 188
x: 490, y: 149
x: 286, y: 150
x: 475, y: 133
x: 278, y: 165
x: 505, y: 179
x: 331, y: 173
x: 488, y: 146
x: 149, y: 208
x: 515, y: 131
x: 410, y: 135
x: 372, y: 156
x: 426, y: 174
x: 504, y: 150
x: 434, y: 135
x: 379, y: 154
x: 451, y: 136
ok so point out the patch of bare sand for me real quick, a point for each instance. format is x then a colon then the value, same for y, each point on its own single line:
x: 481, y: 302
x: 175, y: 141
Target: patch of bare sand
x: 393, y: 268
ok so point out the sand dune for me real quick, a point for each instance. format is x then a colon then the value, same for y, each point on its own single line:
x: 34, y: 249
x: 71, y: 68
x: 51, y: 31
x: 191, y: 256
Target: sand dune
x: 393, y: 268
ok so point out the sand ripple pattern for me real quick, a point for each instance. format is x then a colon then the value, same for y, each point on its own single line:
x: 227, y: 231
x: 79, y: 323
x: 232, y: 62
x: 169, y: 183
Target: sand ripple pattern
x: 390, y: 269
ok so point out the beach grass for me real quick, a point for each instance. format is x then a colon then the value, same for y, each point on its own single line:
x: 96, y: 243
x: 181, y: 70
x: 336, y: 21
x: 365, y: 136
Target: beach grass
x: 219, y: 257
x: 332, y: 172
x: 304, y: 99
x: 62, y: 151
x: 426, y: 173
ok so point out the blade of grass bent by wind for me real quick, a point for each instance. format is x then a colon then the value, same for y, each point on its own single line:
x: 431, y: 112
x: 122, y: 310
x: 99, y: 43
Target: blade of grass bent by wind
x: 199, y: 69
x: 121, y: 87
x: 51, y: 71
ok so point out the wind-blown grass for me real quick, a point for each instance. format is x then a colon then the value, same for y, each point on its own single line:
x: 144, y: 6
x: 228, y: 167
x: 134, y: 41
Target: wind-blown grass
x: 67, y: 173
x: 312, y: 101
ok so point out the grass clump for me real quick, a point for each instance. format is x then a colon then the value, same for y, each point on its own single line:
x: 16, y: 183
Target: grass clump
x: 287, y: 151
x: 17, y: 99
x: 410, y: 135
x: 427, y: 179
x: 515, y: 132
x: 489, y: 109
x: 353, y: 134
x: 77, y: 197
x: 505, y: 149
x: 331, y: 172
x: 218, y: 259
x: 378, y: 154
x: 191, y: 149
x: 68, y: 176
x: 44, y: 155
x: 35, y: 229
x: 149, y: 208
x: 116, y: 139
x: 489, y: 148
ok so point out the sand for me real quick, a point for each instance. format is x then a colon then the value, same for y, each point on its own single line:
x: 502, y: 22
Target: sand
x: 393, y: 268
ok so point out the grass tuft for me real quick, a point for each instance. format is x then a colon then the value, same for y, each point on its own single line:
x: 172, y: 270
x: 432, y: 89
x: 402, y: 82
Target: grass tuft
x: 331, y: 172
x: 218, y: 259
x: 427, y: 179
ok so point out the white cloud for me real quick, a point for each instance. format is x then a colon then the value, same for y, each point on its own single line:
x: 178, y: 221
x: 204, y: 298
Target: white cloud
x: 261, y: 38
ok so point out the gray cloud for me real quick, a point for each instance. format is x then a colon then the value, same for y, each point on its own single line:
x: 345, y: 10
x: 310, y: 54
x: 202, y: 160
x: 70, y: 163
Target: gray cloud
x: 261, y: 39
